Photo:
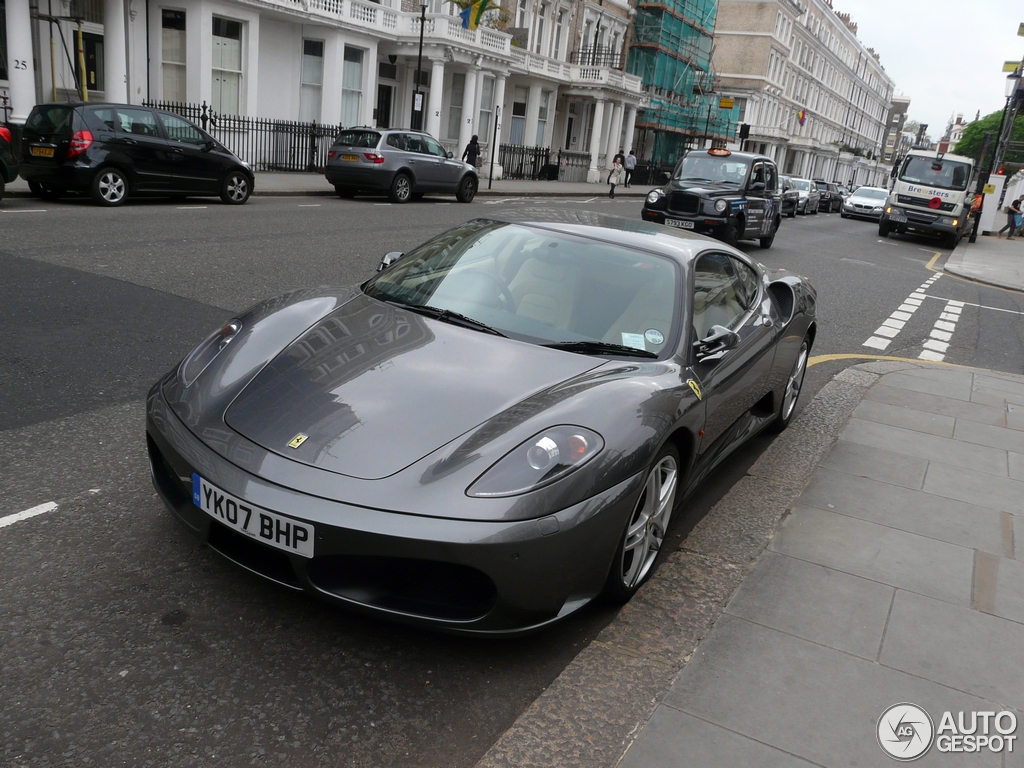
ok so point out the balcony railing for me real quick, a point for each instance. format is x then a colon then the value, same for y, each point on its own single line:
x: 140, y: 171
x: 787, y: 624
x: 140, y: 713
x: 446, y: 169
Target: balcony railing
x: 599, y: 56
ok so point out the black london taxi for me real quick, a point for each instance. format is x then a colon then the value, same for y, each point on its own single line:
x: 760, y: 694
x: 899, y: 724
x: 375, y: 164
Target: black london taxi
x: 729, y: 195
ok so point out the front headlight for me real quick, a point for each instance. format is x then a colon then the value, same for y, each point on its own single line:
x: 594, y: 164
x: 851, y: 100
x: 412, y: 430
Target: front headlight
x: 720, y: 205
x: 199, y: 358
x: 892, y: 210
x: 541, y: 460
x: 655, y: 195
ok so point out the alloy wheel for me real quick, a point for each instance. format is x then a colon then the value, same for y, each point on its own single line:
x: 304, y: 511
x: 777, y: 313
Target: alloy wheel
x: 646, y: 532
x: 794, y: 384
x: 112, y: 187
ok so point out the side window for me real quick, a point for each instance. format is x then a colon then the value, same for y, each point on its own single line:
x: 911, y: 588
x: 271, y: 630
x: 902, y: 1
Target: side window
x: 434, y: 148
x: 395, y: 140
x: 746, y: 289
x: 177, y: 129
x: 414, y: 143
x: 100, y: 118
x: 139, y: 122
x: 757, y: 175
x: 716, y: 294
x: 770, y: 179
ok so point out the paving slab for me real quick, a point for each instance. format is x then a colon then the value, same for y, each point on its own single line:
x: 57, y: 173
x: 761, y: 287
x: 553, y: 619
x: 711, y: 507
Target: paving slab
x: 908, y: 418
x: 808, y: 700
x: 884, y: 466
x: 819, y: 604
x: 956, y: 482
x: 876, y: 552
x: 945, y: 383
x: 937, y: 404
x: 675, y: 739
x: 1013, y: 387
x: 979, y: 458
x: 993, y: 436
x: 957, y: 647
x: 997, y: 398
x: 914, y: 511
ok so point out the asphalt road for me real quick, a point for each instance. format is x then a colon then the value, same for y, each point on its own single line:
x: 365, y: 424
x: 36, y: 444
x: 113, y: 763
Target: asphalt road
x: 126, y: 643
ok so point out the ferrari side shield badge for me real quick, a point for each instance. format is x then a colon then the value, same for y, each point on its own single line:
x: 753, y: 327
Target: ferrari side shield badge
x: 300, y: 438
x: 696, y: 388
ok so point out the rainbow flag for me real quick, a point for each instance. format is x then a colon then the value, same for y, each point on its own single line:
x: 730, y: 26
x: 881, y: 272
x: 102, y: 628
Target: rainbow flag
x: 801, y: 116
x: 472, y: 15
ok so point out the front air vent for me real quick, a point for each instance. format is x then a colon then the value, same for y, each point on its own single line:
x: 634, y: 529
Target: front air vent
x: 784, y: 300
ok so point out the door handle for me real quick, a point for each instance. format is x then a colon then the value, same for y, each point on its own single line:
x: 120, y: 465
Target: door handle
x: 129, y: 141
x: 178, y: 151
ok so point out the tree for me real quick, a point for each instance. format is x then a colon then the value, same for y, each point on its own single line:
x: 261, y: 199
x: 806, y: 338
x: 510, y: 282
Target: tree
x: 974, y: 137
x: 911, y: 126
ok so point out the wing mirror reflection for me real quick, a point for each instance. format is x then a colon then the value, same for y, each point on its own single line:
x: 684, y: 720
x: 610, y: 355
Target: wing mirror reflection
x: 664, y: 177
x: 389, y: 259
x: 714, y: 346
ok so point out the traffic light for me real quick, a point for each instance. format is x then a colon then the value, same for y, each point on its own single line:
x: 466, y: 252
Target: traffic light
x: 744, y: 131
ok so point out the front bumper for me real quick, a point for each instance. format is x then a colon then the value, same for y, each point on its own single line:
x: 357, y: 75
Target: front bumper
x: 703, y: 223
x: 471, y: 577
x: 918, y: 223
x: 863, y: 213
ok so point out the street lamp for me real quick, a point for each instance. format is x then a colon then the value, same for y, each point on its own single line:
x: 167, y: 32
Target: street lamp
x: 417, y: 97
x: 1012, y: 85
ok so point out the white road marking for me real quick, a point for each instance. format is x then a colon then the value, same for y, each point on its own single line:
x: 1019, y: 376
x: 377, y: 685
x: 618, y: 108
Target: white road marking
x: 876, y: 343
x: 938, y: 346
x: 382, y: 203
x: 191, y: 207
x: 498, y: 202
x: 309, y: 205
x: 956, y: 307
x: 41, y: 509
x: 942, y: 332
x: 891, y: 326
x: 26, y: 210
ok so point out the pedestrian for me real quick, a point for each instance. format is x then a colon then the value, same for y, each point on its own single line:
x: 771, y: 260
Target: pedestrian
x: 630, y: 166
x: 619, y: 158
x: 1013, y: 215
x: 615, y: 177
x: 472, y: 152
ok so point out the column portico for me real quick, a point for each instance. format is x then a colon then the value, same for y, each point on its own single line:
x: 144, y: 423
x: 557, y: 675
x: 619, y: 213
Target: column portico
x: 20, y: 70
x: 433, y: 121
x: 532, y: 116
x: 594, y: 174
x: 468, y: 110
x: 115, y: 76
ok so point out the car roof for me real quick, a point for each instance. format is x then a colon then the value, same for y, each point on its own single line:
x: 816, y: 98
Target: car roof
x: 679, y: 245
x: 741, y: 155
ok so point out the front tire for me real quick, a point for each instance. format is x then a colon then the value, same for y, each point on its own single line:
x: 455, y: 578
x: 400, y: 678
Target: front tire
x: 883, y: 228
x: 766, y: 242
x: 791, y: 393
x: 645, y: 530
x: 731, y: 234
x: 236, y: 188
x: 401, y: 189
x: 467, y: 190
x: 345, y: 193
x: 109, y: 187
x: 949, y: 240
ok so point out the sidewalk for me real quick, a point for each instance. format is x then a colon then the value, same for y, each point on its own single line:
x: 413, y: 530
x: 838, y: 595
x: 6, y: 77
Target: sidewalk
x: 314, y: 184
x: 990, y: 260
x: 867, y: 559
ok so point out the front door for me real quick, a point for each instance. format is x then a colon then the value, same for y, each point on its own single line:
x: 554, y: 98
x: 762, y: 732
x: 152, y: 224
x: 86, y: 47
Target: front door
x: 138, y: 139
x: 385, y: 97
x: 196, y: 167
x: 448, y: 172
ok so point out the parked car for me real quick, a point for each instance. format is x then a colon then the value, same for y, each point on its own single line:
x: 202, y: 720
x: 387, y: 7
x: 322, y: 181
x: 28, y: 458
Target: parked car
x: 8, y: 165
x: 404, y: 164
x: 730, y: 195
x: 790, y: 197
x: 117, y: 151
x: 830, y: 196
x: 866, y: 203
x: 356, y: 443
x: 809, y: 196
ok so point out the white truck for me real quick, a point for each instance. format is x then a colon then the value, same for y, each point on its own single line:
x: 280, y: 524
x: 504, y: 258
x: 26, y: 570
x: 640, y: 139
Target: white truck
x: 931, y: 194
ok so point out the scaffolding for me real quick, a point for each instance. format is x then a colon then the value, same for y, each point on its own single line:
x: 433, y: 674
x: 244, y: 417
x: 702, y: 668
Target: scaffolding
x: 671, y: 53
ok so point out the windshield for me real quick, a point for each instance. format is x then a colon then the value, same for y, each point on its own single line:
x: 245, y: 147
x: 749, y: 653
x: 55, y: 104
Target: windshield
x: 49, y: 118
x: 539, y: 286
x: 365, y: 139
x: 945, y: 174
x: 700, y: 167
x: 873, y: 194
x: 802, y: 184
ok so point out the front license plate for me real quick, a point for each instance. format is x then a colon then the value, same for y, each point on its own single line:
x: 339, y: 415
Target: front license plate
x: 898, y: 219
x: 256, y: 523
x: 679, y: 224
x: 351, y: 158
x: 42, y: 151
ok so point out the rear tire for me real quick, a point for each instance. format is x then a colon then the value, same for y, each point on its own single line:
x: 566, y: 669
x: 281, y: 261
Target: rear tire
x: 883, y: 229
x: 792, y: 214
x: 790, y: 395
x: 400, y: 190
x: 109, y: 187
x: 815, y: 211
x: 345, y: 193
x: 236, y: 188
x: 645, y: 530
x: 766, y: 242
x: 467, y: 190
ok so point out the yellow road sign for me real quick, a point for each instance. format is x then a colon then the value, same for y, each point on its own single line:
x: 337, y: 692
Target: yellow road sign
x: 990, y: 189
x: 1010, y: 66
x: 726, y: 102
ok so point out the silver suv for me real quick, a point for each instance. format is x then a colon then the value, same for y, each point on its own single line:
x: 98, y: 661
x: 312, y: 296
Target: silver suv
x: 405, y: 164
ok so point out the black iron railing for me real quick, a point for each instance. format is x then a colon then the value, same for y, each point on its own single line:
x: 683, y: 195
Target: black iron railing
x: 519, y: 162
x: 573, y: 166
x: 600, y: 56
x: 267, y: 145
x: 645, y: 174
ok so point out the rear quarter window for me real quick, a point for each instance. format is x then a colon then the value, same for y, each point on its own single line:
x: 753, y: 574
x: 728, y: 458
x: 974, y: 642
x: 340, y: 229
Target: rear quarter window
x: 100, y: 119
x: 364, y: 139
x: 49, y: 118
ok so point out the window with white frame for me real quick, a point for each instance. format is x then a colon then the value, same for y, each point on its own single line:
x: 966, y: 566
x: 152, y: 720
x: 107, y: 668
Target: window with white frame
x: 172, y: 53
x: 556, y: 45
x: 517, y: 129
x: 521, y: 13
x: 227, y: 66
x: 741, y: 107
x: 542, y: 14
x: 458, y: 95
x: 311, y: 86
x: 352, y: 86
x: 483, y: 123
x: 542, y: 117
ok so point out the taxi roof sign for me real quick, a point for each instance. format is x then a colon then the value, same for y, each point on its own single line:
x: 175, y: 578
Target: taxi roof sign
x: 719, y: 152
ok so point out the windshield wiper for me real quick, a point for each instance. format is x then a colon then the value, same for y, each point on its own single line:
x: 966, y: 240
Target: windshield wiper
x: 448, y: 316
x: 599, y: 348
x: 696, y: 178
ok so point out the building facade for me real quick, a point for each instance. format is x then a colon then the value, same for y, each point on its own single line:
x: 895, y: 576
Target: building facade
x: 895, y: 120
x: 815, y: 98
x: 546, y: 73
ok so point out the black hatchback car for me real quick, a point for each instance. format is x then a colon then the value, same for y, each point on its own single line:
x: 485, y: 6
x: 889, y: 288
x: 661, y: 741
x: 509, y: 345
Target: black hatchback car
x: 113, y: 151
x: 730, y: 195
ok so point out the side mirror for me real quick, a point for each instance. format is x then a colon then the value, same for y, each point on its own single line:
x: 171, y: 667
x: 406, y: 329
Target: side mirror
x: 389, y: 259
x: 757, y: 186
x: 714, y: 346
x: 664, y: 177
x: 208, y: 146
x: 450, y: 155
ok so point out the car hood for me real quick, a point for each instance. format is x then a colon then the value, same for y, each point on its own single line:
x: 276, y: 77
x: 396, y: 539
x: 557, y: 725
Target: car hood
x: 372, y: 388
x: 707, y: 189
x: 872, y: 201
